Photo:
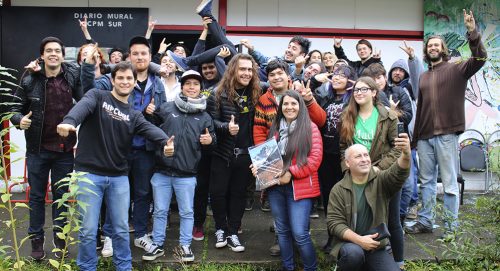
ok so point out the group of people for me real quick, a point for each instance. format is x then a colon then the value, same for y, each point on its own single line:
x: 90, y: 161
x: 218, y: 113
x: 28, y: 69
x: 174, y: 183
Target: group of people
x: 183, y: 126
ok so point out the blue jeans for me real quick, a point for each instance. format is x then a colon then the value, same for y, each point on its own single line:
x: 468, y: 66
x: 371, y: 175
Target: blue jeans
x: 291, y: 218
x: 439, y: 150
x: 141, y: 163
x: 353, y: 258
x: 414, y: 173
x: 59, y: 164
x: 163, y: 186
x: 116, y: 192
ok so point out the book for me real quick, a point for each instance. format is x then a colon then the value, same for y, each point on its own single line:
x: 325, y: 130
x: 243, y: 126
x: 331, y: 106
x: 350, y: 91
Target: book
x: 266, y: 157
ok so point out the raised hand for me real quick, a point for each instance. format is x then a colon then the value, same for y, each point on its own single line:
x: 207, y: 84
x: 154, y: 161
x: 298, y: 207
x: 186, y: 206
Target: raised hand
x: 337, y: 42
x: 151, y: 27
x: 163, y: 46
x: 233, y: 128
x: 408, y: 50
x: 92, y: 57
x: 206, y: 138
x: 168, y: 150
x: 224, y: 52
x: 376, y: 53
x: 247, y: 44
x: 83, y: 24
x: 392, y: 103
x: 300, y: 61
x: 206, y: 21
x: 25, y: 121
x: 469, y: 21
x: 64, y: 129
x: 306, y: 92
x: 150, y: 109
x: 322, y: 77
x: 34, y: 66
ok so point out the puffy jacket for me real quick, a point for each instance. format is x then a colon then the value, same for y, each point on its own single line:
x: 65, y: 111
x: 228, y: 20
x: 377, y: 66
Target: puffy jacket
x: 399, y: 95
x: 187, y: 128
x: 221, y: 114
x: 31, y: 97
x: 305, y: 178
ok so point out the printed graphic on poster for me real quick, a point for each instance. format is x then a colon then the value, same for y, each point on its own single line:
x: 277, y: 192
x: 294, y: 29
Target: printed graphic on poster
x: 266, y: 158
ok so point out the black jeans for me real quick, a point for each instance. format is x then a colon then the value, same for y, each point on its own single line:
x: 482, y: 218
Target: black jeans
x: 201, y: 190
x: 395, y: 228
x: 59, y: 164
x: 228, y: 183
x: 329, y: 173
x: 353, y: 258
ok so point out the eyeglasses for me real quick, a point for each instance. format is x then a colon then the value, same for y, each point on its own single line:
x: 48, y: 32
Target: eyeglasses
x: 341, y: 75
x: 361, y: 90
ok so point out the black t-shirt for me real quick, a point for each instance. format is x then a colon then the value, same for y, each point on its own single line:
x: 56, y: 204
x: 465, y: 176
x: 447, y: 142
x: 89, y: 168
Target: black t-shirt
x: 142, y: 85
x: 243, y: 100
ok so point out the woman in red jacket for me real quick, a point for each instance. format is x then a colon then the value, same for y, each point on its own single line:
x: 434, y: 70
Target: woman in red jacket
x: 299, y: 142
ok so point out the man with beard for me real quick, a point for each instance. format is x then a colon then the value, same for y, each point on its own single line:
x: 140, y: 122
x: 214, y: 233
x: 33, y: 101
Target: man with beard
x: 148, y: 94
x: 365, y: 53
x: 295, y: 55
x: 108, y: 125
x: 440, y: 118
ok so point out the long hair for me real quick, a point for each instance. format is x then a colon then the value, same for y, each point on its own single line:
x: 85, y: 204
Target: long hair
x: 350, y: 114
x: 445, y: 54
x: 230, y: 79
x: 300, y: 140
x: 99, y: 52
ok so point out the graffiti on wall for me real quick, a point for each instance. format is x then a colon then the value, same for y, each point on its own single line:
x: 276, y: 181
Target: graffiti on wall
x: 445, y: 18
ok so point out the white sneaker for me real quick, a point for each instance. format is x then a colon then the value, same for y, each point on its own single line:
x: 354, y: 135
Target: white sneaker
x: 107, y: 248
x: 144, y: 242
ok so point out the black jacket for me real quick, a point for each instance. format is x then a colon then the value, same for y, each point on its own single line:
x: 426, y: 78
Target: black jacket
x: 221, y: 114
x: 404, y: 106
x: 358, y: 66
x: 187, y: 128
x: 31, y: 97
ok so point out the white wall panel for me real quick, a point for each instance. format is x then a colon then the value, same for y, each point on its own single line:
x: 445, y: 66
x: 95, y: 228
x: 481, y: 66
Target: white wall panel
x: 264, y: 12
x: 390, y: 15
x: 317, y: 13
x: 237, y: 12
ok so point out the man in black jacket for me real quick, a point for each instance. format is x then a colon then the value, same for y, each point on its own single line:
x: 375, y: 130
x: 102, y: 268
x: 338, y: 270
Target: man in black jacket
x: 108, y: 125
x: 365, y: 52
x: 44, y: 98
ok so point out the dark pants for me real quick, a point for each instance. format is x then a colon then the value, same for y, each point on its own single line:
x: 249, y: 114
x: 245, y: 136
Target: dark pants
x: 228, y: 183
x: 201, y: 190
x: 219, y: 36
x: 395, y: 228
x: 353, y: 258
x: 59, y: 164
x: 329, y: 173
x: 141, y: 164
x: 205, y: 57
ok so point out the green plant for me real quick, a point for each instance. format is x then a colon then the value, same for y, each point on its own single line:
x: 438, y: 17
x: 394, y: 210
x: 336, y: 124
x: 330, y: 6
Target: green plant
x: 71, y: 215
x: 6, y: 203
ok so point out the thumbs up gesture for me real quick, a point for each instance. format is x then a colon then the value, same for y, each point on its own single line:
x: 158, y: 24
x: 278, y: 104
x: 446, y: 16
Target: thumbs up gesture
x: 151, y: 107
x: 233, y: 128
x: 168, y: 150
x: 206, y: 138
x: 25, y: 121
x: 64, y: 129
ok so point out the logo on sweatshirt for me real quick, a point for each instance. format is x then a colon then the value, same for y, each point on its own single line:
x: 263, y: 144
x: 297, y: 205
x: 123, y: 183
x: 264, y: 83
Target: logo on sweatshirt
x: 115, y: 113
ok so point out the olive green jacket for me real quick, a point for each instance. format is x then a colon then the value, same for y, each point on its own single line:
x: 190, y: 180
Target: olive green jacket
x: 342, y: 210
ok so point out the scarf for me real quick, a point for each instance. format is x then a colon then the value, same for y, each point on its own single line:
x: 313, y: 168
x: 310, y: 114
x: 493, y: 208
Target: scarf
x: 190, y: 105
x: 285, y: 130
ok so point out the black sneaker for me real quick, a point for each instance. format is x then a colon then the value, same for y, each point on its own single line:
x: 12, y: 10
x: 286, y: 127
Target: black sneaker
x: 265, y: 206
x: 275, y: 250
x: 249, y: 204
x: 37, y: 245
x: 220, y: 239
x: 155, y: 252
x: 59, y: 246
x: 417, y: 228
x: 234, y: 243
x: 186, y: 254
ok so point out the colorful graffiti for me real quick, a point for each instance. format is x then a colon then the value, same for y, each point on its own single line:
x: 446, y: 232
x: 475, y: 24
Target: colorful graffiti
x: 445, y: 17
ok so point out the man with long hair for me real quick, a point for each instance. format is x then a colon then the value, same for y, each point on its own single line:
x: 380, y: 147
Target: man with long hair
x: 440, y: 118
x: 232, y: 108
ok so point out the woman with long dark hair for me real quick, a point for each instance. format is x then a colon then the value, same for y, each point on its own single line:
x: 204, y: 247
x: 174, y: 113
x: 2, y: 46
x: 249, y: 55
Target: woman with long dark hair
x: 299, y: 142
x: 368, y: 122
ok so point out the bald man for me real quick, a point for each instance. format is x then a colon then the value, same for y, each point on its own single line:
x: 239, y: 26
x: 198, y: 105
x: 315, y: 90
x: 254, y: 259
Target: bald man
x: 359, y: 202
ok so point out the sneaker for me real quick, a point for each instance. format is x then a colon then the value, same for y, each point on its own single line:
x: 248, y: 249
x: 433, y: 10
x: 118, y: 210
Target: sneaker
x: 412, y: 212
x: 249, y: 204
x: 60, y: 245
x: 198, y: 234
x: 179, y: 61
x: 314, y: 213
x: 37, y: 248
x: 186, y: 254
x: 418, y: 227
x: 155, y: 252
x: 234, y: 243
x: 131, y: 228
x: 220, y: 239
x: 204, y: 9
x: 240, y: 230
x: 144, y: 242
x: 275, y: 250
x: 107, y: 249
x: 265, y: 206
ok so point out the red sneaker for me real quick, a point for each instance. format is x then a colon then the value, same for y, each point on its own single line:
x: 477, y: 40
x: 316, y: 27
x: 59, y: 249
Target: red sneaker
x: 198, y: 234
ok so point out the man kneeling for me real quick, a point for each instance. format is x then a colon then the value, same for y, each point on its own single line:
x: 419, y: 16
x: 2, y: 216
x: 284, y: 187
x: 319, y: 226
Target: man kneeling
x: 359, y: 203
